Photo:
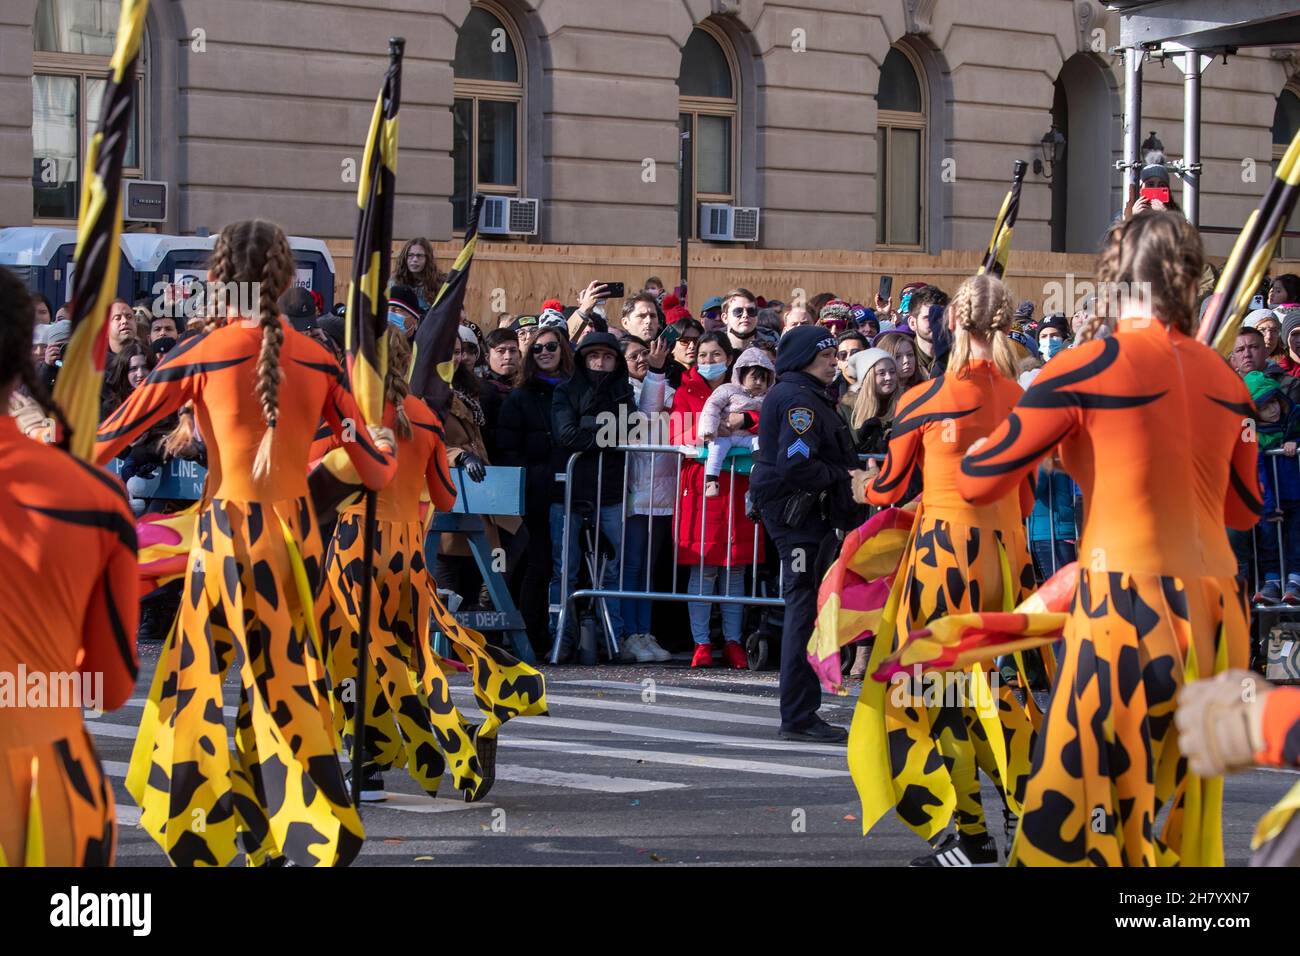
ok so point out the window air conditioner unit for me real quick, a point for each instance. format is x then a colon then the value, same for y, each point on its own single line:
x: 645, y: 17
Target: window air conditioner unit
x: 720, y: 222
x: 144, y: 201
x: 507, y: 216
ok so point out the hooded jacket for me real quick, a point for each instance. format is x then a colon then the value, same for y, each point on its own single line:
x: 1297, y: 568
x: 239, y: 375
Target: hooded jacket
x: 732, y: 397
x: 592, y: 406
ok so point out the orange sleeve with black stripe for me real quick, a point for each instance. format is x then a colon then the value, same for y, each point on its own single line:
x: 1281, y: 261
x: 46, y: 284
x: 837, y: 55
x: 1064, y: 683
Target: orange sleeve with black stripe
x: 168, y: 387
x: 1044, y: 416
x: 375, y: 468
x: 113, y: 615
x: 906, y: 450
x: 437, y: 475
x: 1245, y: 499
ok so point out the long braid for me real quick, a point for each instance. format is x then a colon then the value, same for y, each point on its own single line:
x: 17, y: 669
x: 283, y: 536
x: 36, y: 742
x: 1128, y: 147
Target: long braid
x: 277, y: 272
x: 396, y: 387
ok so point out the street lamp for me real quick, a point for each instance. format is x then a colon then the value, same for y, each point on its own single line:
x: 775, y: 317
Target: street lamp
x: 1053, y: 148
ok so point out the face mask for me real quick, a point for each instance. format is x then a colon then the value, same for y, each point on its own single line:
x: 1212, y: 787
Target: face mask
x: 712, y: 372
x: 1055, y: 346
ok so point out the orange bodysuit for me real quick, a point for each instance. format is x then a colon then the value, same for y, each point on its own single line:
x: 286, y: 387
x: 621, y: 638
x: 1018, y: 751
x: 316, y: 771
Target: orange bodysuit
x: 961, y: 557
x: 411, y: 720
x: 250, y: 583
x: 1154, y: 428
x: 68, y: 615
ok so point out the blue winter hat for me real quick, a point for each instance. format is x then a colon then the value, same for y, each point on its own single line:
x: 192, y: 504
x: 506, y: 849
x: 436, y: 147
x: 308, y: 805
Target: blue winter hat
x: 800, y: 346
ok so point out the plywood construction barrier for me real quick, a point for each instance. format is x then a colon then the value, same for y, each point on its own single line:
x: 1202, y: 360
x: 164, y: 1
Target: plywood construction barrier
x: 517, y: 277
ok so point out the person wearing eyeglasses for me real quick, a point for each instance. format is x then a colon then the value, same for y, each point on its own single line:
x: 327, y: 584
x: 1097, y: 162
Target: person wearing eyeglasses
x: 740, y: 315
x: 524, y: 441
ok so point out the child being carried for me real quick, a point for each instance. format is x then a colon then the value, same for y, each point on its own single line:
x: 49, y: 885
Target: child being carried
x: 750, y: 380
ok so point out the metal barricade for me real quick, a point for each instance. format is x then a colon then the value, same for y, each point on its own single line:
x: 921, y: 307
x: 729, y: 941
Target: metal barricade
x: 602, y: 594
x: 1279, y: 607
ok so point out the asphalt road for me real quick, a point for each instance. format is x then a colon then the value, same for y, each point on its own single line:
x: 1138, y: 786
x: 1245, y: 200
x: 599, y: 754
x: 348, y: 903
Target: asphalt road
x: 644, y: 764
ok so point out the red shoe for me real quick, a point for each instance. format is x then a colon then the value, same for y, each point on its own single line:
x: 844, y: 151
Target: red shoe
x: 735, y: 655
x: 703, y: 656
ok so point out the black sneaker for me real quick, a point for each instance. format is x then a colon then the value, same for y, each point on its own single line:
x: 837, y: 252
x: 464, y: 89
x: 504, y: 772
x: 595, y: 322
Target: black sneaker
x: 959, y: 850
x: 818, y: 731
x: 372, y: 786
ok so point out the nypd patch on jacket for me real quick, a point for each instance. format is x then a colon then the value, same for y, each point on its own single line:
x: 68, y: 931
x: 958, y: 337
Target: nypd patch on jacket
x: 803, y: 442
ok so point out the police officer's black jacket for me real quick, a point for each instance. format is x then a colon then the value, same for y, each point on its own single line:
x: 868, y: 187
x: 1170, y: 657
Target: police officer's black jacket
x: 804, y: 446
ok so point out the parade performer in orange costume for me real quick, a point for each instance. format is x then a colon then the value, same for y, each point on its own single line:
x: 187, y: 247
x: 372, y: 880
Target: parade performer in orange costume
x: 68, y: 614
x: 259, y: 389
x: 410, y: 719
x: 921, y: 760
x: 1154, y: 427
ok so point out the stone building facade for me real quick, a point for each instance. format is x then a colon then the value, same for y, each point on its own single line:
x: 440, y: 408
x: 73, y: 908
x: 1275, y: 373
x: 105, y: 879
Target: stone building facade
x: 852, y: 124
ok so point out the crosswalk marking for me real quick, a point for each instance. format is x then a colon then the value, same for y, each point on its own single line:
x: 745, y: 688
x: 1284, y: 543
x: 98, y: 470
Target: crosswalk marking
x: 671, y: 733
x: 665, y: 710
x: 678, y: 759
x: 582, y: 781
x: 667, y: 690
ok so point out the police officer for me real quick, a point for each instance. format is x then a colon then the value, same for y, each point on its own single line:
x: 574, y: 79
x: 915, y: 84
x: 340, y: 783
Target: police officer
x: 802, y: 487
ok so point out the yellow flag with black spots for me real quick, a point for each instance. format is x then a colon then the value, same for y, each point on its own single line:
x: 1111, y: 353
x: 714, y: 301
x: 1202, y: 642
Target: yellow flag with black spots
x: 999, y: 250
x: 367, y: 308
x: 435, y: 340
x: 99, y: 231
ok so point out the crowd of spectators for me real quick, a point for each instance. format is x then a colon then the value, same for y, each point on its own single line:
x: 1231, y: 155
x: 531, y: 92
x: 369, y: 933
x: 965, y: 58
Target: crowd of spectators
x: 536, y: 389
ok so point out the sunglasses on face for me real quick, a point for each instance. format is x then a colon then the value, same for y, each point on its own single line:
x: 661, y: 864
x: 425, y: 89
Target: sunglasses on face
x: 750, y: 310
x: 545, y: 347
x: 689, y: 340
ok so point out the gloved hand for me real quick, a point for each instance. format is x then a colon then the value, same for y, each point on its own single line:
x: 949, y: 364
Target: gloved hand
x: 1221, y: 722
x: 383, y: 438
x: 475, y: 470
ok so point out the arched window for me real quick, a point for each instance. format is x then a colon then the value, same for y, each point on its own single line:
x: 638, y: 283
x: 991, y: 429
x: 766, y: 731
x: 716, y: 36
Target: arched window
x: 74, y: 42
x: 900, y: 146
x: 709, y: 107
x: 487, y: 132
x: 1286, y: 120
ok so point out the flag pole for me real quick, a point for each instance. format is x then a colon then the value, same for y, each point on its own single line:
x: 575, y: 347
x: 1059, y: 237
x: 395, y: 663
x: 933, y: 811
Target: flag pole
x: 396, y: 47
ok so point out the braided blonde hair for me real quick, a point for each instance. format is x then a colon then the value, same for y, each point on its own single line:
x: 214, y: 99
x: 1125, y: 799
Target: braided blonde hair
x: 982, y: 308
x: 396, y: 387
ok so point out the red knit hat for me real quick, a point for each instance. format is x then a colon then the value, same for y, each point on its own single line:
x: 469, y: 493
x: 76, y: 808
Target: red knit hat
x: 676, y: 314
x: 555, y: 304
x: 670, y: 301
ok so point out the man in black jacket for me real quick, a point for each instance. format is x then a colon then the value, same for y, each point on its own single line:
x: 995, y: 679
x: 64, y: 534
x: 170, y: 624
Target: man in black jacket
x: 588, y: 414
x: 802, y: 487
x: 498, y: 378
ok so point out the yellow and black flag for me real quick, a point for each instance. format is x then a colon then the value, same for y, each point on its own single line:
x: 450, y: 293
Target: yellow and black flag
x: 435, y: 340
x: 999, y: 250
x: 99, y: 231
x: 367, y: 310
x: 1251, y: 255
x: 334, y: 483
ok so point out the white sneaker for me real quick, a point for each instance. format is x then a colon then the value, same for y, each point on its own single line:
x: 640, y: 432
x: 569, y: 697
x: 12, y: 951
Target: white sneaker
x: 651, y: 647
x: 630, y: 649
x: 635, y: 647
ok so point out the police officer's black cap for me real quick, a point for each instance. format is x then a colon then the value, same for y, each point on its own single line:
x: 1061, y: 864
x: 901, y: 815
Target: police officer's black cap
x: 800, y: 346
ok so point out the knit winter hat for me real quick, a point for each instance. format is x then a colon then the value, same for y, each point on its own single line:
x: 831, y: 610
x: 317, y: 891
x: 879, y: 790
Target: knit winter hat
x: 1290, y: 322
x: 800, y: 346
x: 1259, y: 315
x: 863, y: 362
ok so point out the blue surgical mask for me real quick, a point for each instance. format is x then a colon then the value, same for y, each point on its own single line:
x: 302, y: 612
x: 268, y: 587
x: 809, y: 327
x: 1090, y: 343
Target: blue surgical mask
x: 1054, y: 346
x: 712, y: 372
